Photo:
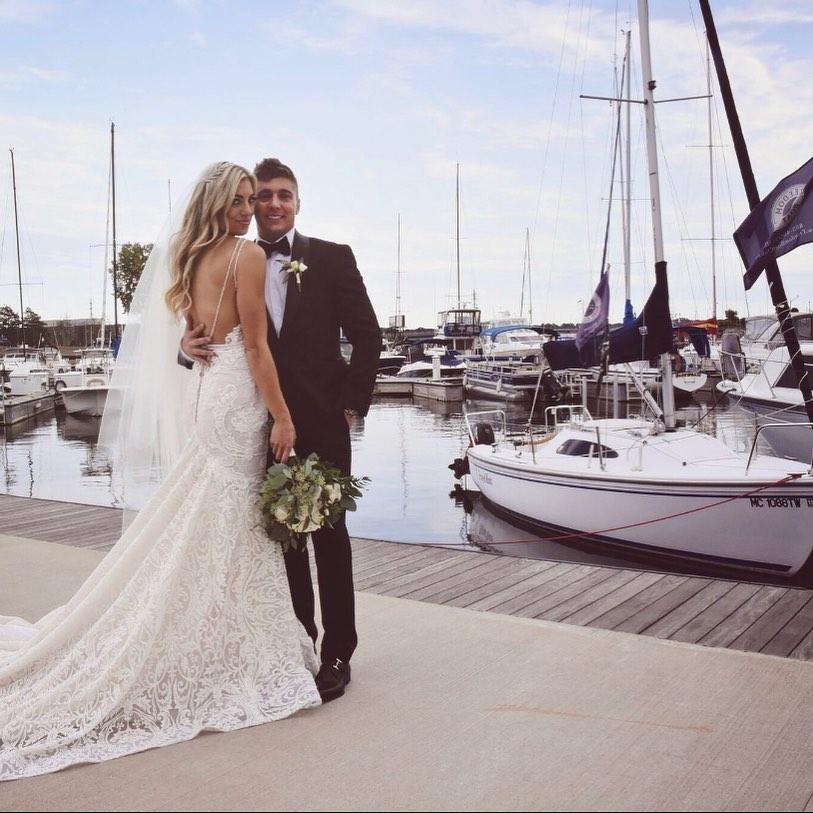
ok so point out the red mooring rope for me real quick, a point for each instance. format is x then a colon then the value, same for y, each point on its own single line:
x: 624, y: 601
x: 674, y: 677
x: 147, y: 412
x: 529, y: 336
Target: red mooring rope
x: 578, y: 534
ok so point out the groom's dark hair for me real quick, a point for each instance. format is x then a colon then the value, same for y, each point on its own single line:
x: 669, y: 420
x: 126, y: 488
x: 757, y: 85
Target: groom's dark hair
x: 270, y: 168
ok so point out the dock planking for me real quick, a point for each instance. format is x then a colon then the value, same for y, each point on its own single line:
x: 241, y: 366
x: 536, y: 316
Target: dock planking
x: 774, y: 620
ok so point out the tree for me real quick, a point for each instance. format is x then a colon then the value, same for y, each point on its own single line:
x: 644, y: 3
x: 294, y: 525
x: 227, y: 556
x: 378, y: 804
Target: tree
x: 732, y: 320
x: 9, y: 323
x: 132, y: 258
x: 34, y: 327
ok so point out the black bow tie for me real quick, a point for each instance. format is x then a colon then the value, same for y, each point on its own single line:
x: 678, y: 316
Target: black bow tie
x: 282, y: 246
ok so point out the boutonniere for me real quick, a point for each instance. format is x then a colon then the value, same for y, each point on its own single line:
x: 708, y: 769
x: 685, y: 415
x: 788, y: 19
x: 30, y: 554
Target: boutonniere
x: 294, y: 268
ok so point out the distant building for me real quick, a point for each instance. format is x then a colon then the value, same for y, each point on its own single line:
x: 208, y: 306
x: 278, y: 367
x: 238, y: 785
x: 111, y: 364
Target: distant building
x: 69, y: 334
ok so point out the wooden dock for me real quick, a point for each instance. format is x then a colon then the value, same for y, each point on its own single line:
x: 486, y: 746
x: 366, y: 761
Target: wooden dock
x: 392, y: 385
x: 747, y: 616
x: 18, y: 408
x: 428, y: 388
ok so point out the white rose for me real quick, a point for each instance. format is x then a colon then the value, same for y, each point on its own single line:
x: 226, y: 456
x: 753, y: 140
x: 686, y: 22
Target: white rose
x: 280, y: 515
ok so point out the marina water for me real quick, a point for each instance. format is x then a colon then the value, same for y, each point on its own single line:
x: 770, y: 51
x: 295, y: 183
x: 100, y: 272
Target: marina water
x: 403, y: 446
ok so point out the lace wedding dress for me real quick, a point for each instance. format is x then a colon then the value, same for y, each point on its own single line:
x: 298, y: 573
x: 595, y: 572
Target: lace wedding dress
x: 186, y: 625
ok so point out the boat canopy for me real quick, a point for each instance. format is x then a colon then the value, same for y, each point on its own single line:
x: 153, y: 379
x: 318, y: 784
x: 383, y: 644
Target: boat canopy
x: 493, y: 332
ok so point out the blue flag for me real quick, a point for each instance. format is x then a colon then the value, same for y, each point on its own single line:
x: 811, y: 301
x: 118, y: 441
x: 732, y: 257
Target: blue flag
x: 594, y: 326
x: 780, y: 223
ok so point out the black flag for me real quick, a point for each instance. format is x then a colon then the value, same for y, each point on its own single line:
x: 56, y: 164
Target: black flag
x: 780, y: 223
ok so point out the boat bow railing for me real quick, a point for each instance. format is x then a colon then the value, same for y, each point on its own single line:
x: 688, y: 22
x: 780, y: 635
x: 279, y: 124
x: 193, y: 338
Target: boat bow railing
x: 576, y: 415
x: 467, y: 416
x: 785, y: 426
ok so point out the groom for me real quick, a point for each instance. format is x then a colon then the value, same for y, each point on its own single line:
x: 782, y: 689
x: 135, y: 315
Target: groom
x: 324, y: 394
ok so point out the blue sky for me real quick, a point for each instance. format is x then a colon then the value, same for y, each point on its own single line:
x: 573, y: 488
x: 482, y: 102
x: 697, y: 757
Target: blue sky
x: 373, y: 102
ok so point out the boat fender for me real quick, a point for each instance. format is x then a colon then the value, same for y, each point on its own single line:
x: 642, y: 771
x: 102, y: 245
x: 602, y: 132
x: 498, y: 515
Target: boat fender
x: 732, y: 358
x: 459, y: 467
x: 483, y: 434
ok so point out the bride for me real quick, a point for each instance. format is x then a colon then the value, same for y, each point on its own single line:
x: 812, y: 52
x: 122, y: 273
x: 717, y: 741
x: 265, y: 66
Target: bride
x: 187, y: 624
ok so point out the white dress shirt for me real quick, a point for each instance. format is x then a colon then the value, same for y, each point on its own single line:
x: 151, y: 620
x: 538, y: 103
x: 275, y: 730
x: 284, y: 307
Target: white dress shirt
x: 276, y: 284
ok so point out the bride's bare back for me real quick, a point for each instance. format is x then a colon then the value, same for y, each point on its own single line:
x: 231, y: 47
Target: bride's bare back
x: 228, y: 289
x: 213, y: 285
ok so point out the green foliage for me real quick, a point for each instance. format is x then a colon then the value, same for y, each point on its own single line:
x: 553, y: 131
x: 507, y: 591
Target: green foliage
x: 9, y: 323
x: 131, y: 261
x: 732, y: 320
x: 34, y: 327
x: 301, y: 496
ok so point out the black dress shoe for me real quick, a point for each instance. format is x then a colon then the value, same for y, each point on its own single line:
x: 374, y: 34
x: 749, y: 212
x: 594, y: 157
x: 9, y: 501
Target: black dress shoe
x: 332, y: 679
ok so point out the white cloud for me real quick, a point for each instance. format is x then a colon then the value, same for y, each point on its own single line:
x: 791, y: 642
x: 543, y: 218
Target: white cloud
x: 509, y: 24
x: 23, y: 75
x: 759, y: 13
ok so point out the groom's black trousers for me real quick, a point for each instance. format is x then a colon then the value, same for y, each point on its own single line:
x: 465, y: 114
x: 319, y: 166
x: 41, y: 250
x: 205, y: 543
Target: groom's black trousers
x: 330, y: 439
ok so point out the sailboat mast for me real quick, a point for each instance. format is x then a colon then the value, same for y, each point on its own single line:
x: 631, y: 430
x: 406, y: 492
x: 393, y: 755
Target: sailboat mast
x: 655, y: 192
x: 115, y: 252
x: 17, y: 237
x: 530, y: 292
x: 457, y: 228
x: 628, y: 180
x: 398, y: 278
x: 775, y: 284
x: 711, y: 191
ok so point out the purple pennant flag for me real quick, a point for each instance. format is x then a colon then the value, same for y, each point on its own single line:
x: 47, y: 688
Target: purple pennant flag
x: 778, y: 224
x: 595, y: 322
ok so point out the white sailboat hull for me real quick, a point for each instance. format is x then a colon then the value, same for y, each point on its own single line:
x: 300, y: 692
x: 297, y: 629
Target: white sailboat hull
x: 741, y: 521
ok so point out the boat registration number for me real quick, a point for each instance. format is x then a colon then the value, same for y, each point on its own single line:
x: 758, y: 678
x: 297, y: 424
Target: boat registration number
x: 781, y: 502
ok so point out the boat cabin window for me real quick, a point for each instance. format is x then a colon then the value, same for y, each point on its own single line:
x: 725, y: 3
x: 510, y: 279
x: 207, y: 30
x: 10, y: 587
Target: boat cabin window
x: 788, y: 377
x: 573, y: 447
x: 804, y: 327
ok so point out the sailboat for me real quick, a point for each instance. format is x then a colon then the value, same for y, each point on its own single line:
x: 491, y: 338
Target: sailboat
x: 89, y: 396
x: 641, y: 484
x: 24, y: 388
x: 458, y: 327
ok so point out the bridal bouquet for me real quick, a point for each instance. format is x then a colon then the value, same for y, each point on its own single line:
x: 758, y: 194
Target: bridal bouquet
x: 301, y: 496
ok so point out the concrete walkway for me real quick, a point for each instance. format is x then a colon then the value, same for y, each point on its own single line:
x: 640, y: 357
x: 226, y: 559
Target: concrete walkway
x: 452, y: 709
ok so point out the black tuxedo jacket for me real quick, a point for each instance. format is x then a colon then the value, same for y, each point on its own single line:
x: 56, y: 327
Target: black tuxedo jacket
x: 316, y: 381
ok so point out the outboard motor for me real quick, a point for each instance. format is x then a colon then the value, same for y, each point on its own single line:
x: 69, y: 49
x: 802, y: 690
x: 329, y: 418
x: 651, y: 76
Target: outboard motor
x: 732, y: 359
x: 459, y: 467
x: 483, y: 434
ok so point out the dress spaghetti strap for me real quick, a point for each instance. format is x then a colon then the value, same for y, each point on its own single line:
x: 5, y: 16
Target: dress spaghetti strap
x: 231, y: 271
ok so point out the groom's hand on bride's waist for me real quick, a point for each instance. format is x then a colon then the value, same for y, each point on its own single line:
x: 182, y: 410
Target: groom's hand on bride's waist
x: 195, y: 345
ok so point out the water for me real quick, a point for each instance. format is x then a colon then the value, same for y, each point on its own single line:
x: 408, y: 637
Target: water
x: 404, y: 447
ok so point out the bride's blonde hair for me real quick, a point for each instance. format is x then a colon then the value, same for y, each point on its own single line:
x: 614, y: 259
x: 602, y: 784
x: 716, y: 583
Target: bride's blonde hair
x: 204, y: 224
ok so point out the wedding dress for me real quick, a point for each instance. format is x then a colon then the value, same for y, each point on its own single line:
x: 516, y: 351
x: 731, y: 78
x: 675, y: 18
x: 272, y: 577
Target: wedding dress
x: 186, y: 625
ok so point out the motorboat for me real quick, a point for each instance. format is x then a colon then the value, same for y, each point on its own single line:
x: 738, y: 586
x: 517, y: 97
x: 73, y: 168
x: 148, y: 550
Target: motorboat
x: 771, y: 393
x: 390, y: 361
x: 512, y: 381
x: 459, y: 328
x: 436, y: 361
x: 27, y: 378
x: 88, y: 397
x: 15, y: 356
x: 511, y: 342
x: 762, y: 335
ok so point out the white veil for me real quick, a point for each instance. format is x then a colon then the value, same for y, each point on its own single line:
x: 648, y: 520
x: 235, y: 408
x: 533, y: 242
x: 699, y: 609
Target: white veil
x: 145, y: 423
